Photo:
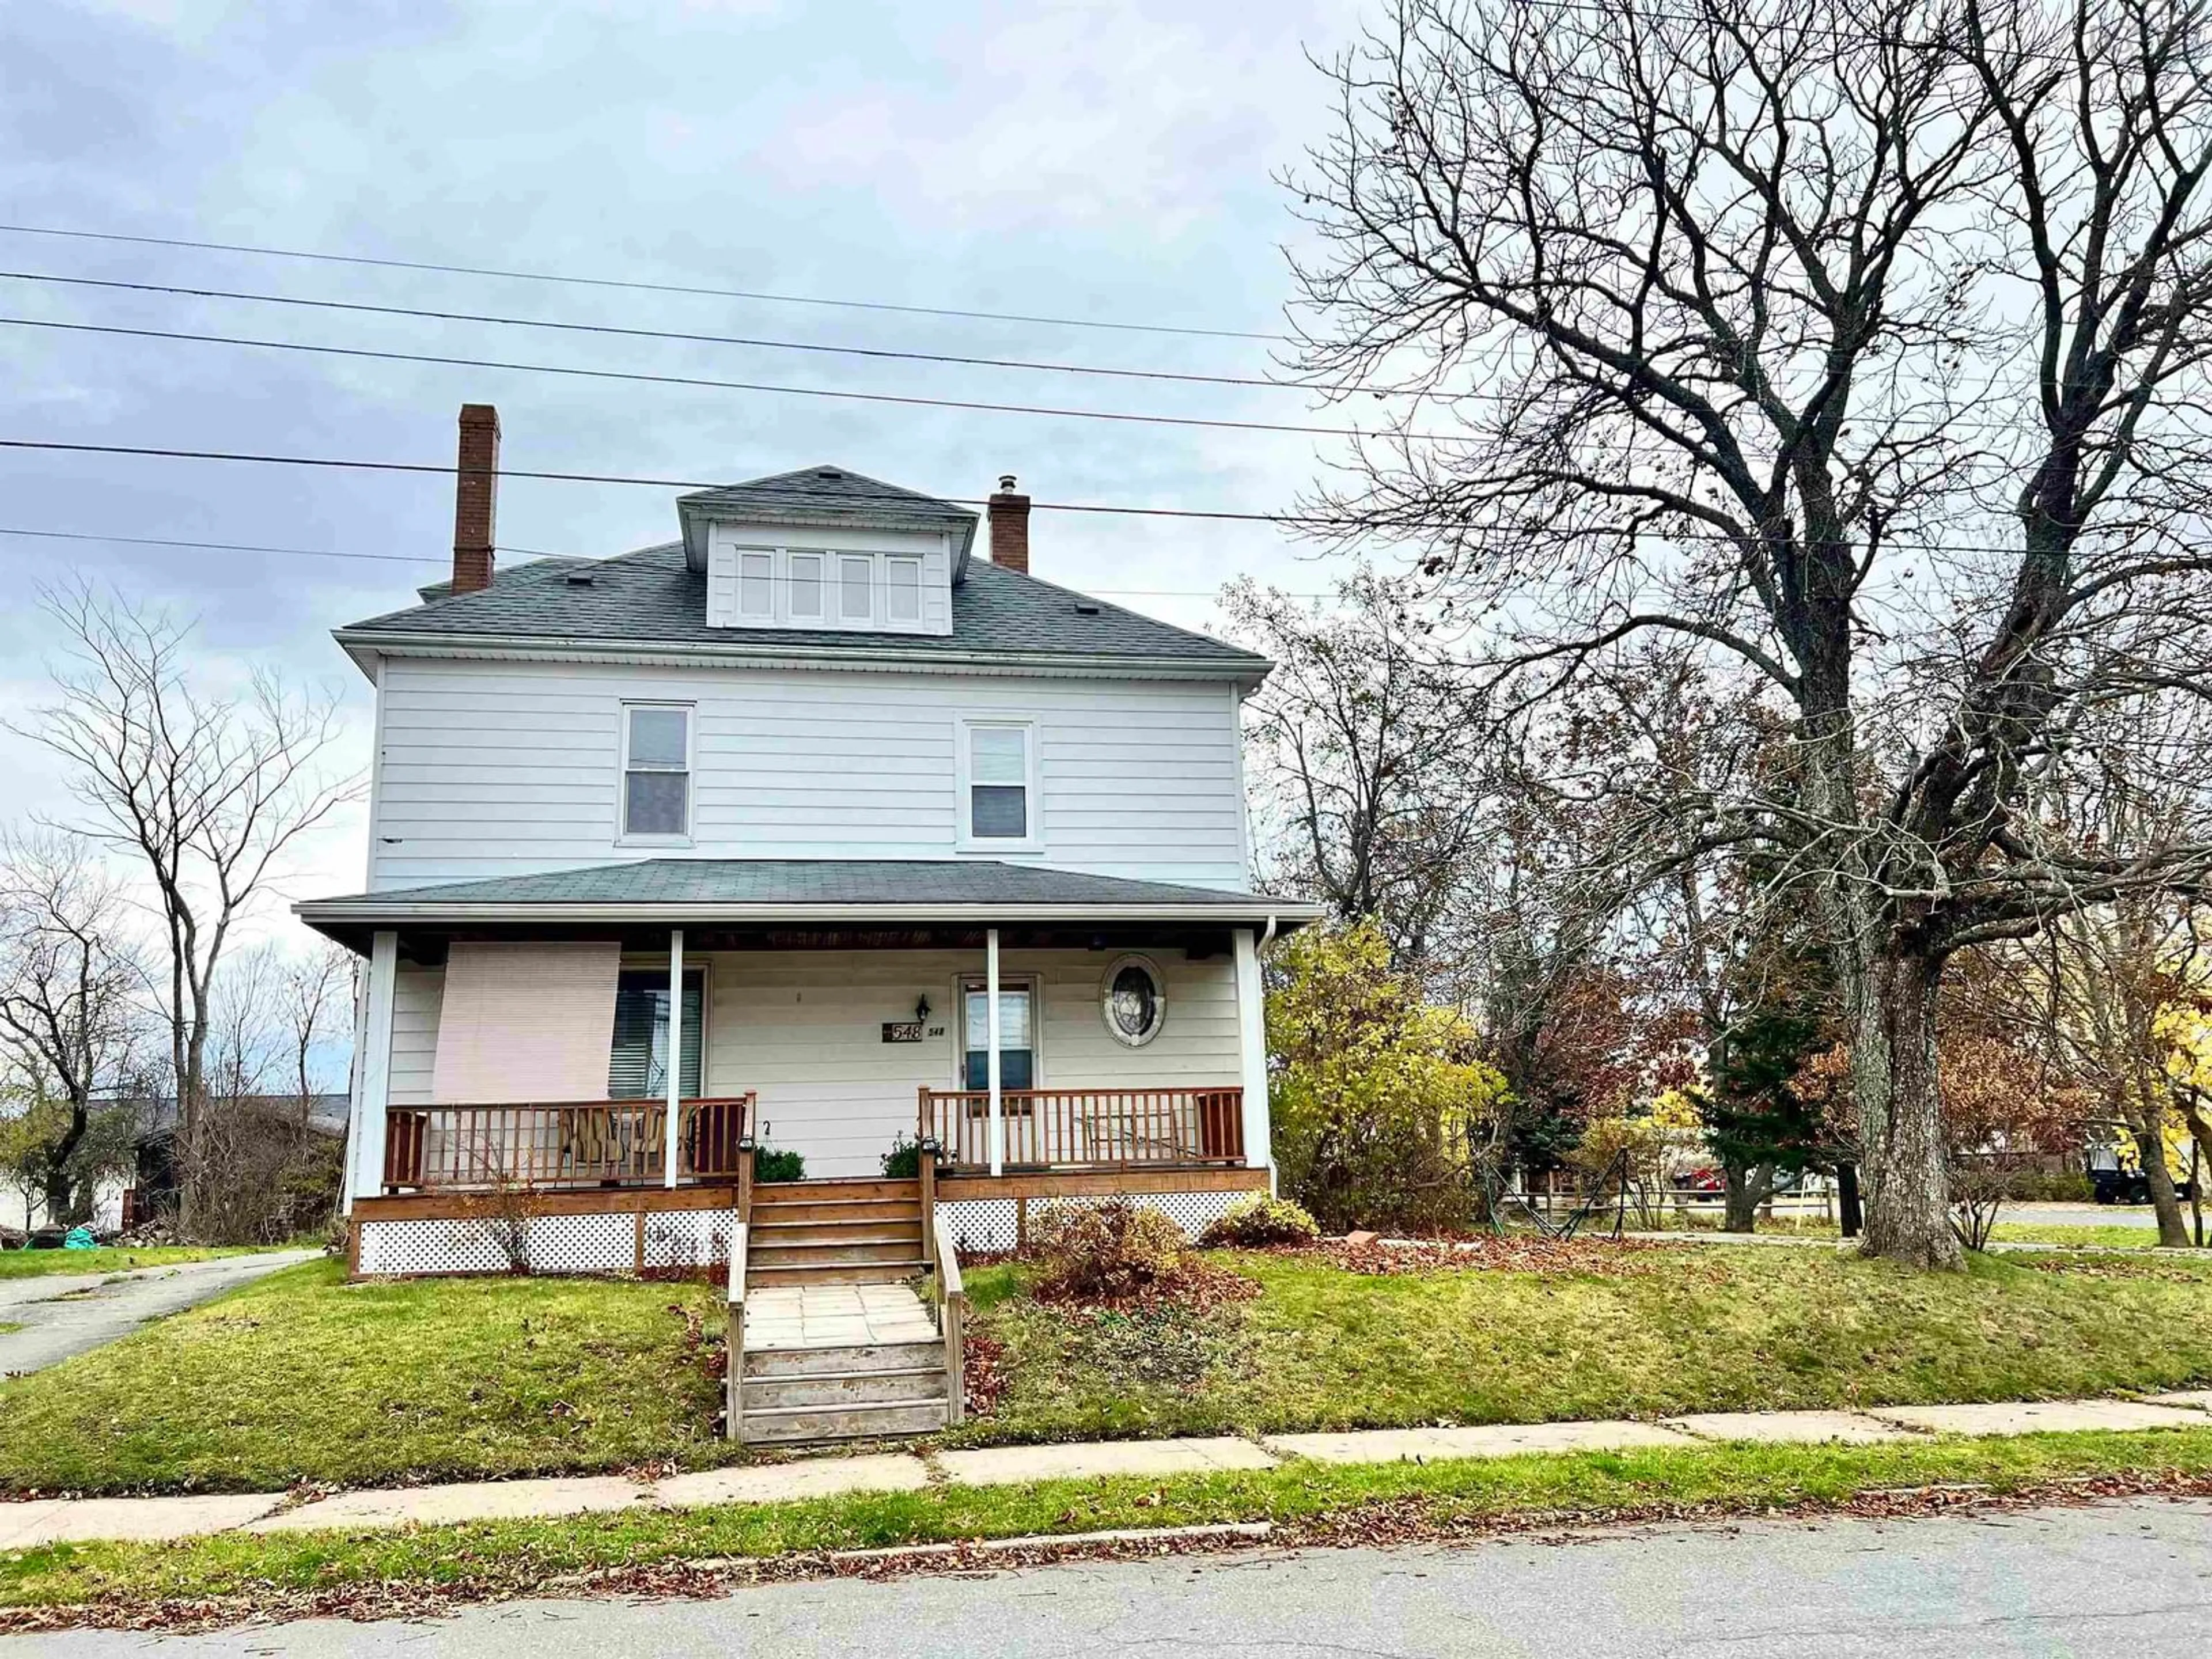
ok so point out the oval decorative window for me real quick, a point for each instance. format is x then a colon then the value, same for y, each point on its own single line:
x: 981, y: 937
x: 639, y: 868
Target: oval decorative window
x: 1135, y: 1001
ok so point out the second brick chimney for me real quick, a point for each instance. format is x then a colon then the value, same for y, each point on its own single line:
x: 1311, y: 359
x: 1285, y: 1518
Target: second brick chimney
x: 476, y: 498
x: 1010, y: 527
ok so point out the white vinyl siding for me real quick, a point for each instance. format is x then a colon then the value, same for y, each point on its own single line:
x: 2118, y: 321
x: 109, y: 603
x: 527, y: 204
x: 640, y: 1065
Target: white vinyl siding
x: 416, y: 995
x: 492, y: 768
x: 804, y: 1027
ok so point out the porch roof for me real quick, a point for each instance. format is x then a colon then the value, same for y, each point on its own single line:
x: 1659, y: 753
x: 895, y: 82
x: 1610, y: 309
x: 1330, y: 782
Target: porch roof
x: 678, y: 890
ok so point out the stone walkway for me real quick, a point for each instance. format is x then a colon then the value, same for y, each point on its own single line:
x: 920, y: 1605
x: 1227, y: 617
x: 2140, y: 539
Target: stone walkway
x: 26, y: 1525
x: 834, y: 1316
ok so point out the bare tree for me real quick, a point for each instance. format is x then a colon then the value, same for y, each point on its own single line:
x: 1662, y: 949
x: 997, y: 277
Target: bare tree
x: 1367, y: 745
x: 1706, y: 308
x: 68, y: 989
x: 209, y: 792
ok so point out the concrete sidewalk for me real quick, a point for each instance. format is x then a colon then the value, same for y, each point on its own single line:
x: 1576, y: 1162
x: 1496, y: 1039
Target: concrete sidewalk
x: 26, y: 1525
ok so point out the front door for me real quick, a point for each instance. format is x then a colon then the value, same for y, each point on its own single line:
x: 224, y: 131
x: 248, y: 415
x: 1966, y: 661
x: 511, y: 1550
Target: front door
x: 1017, y: 1064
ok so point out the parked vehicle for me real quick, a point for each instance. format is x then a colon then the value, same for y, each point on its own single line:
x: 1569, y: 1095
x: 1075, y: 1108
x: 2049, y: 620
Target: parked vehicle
x: 2130, y: 1187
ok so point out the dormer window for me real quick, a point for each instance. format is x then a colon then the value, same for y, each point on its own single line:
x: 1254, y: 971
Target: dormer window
x: 756, y: 585
x: 835, y: 579
x: 806, y: 586
x: 902, y: 590
x: 856, y: 583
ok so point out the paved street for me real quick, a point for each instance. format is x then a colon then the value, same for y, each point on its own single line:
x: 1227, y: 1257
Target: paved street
x: 66, y: 1314
x: 2127, y: 1579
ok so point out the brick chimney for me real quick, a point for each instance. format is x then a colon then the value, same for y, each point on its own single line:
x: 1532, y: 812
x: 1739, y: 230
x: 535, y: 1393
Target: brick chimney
x: 1010, y: 527
x: 476, y: 498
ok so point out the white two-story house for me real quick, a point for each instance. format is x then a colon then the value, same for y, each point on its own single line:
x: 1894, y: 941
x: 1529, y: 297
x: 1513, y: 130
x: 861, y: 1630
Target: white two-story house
x: 820, y: 830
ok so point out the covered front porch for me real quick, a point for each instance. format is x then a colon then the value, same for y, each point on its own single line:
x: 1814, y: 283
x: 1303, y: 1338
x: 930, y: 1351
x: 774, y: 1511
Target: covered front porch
x: 651, y: 1061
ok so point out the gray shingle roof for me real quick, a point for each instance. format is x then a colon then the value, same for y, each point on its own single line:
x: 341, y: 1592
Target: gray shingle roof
x: 807, y: 882
x: 826, y: 487
x: 650, y: 596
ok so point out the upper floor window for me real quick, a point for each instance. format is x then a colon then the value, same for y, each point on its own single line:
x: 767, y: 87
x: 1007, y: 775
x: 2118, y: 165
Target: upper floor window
x: 856, y: 584
x: 806, y: 587
x: 998, y: 768
x: 757, y: 584
x: 656, y: 770
x: 902, y: 590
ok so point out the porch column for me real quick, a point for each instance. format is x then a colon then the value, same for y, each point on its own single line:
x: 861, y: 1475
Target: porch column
x: 1252, y: 1046
x: 375, y: 1100
x: 675, y: 1055
x: 998, y: 1128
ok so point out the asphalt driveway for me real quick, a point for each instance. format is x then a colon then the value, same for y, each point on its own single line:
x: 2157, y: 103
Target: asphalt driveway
x: 66, y: 1314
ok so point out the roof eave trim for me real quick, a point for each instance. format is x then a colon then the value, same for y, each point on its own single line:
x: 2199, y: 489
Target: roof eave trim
x: 412, y: 643
x: 371, y: 911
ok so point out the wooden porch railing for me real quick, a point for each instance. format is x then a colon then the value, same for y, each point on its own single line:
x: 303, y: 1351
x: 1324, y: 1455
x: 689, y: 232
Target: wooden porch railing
x: 552, y: 1145
x: 1088, y: 1129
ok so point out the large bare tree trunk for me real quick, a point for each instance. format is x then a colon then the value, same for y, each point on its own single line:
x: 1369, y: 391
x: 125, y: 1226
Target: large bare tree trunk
x: 2165, y: 1202
x: 1893, y: 1076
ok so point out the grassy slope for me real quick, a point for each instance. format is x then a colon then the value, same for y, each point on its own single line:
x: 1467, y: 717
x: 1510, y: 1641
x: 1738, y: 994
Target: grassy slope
x: 520, y: 1555
x: 34, y: 1264
x: 300, y: 1376
x: 1715, y: 1330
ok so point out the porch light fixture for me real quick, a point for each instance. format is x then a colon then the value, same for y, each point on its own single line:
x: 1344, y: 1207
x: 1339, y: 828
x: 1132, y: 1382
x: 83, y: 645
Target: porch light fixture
x: 922, y: 1009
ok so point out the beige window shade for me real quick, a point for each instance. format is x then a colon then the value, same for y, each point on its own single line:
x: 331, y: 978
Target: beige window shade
x: 527, y: 1022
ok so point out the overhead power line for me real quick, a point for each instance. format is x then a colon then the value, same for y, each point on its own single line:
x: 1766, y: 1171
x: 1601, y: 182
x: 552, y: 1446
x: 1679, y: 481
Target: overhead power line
x: 439, y: 560
x: 447, y: 469
x: 750, y: 342
x: 634, y: 285
x: 913, y: 400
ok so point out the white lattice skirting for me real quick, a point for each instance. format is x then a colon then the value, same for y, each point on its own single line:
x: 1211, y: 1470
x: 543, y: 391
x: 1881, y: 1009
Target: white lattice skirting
x: 550, y: 1244
x: 991, y: 1224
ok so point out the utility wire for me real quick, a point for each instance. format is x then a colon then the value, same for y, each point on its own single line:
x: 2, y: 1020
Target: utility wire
x: 893, y: 497
x: 823, y: 348
x: 578, y: 372
x: 522, y: 552
x: 634, y: 285
x: 1935, y: 426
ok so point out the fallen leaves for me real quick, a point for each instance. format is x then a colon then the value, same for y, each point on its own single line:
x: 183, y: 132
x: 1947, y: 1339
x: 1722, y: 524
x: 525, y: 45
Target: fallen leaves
x: 1513, y: 1252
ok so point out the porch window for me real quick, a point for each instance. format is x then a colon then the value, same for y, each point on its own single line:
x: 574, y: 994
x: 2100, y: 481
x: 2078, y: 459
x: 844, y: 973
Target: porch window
x: 1017, y: 1050
x: 999, y: 783
x: 637, y: 1065
x: 656, y: 769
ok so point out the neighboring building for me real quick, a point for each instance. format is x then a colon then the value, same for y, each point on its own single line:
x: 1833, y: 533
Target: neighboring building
x: 922, y: 846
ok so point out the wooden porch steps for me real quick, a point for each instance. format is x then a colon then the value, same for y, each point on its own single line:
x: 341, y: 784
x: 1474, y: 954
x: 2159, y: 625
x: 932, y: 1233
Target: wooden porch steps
x: 861, y: 1391
x: 836, y: 1232
x: 837, y: 1347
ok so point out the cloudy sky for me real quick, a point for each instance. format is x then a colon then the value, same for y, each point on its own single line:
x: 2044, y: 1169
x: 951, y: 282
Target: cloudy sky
x: 1110, y: 163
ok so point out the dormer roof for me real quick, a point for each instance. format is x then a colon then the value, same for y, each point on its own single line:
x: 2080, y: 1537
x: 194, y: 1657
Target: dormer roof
x: 822, y: 495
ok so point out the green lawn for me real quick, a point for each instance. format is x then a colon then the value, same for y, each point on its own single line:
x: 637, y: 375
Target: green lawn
x: 1697, y: 1328
x: 32, y: 1264
x: 2111, y: 1235
x: 236, y: 1575
x: 300, y: 1376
